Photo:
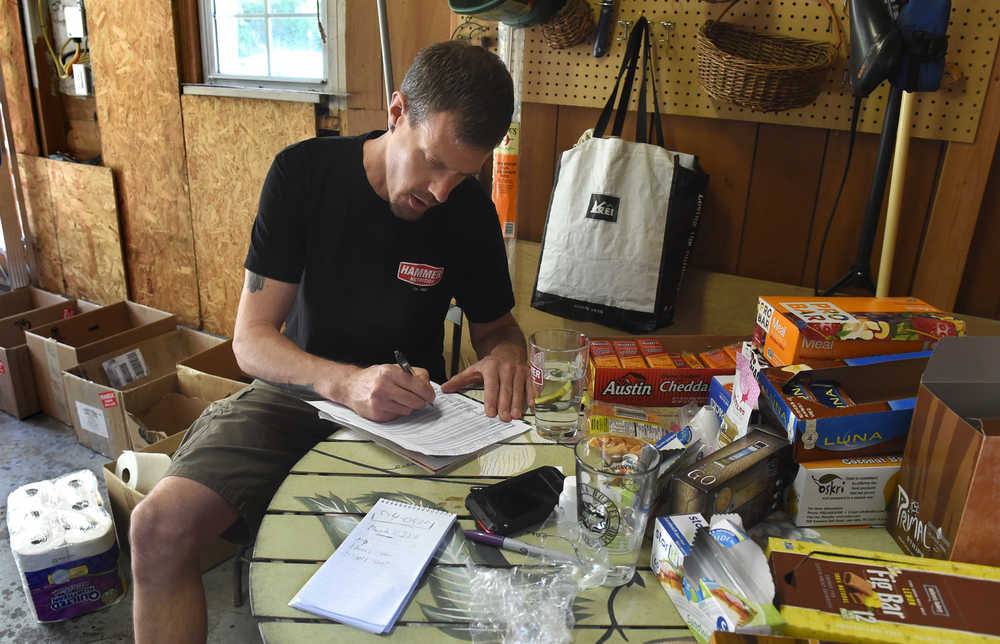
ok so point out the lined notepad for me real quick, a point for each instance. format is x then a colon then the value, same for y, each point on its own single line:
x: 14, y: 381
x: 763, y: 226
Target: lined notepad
x: 369, y: 579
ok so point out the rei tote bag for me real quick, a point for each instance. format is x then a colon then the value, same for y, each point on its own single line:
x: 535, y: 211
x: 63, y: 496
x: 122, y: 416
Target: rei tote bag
x: 622, y: 217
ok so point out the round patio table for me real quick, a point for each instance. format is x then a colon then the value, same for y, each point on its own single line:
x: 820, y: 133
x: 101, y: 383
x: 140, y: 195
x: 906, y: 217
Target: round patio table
x: 337, y: 482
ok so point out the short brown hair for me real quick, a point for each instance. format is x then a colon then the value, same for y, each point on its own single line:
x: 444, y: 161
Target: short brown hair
x: 466, y: 80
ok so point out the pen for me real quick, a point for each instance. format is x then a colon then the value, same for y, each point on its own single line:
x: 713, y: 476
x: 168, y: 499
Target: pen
x: 403, y: 363
x: 513, y: 545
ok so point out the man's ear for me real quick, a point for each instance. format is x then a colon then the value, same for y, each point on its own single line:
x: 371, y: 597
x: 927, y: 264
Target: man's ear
x: 397, y: 106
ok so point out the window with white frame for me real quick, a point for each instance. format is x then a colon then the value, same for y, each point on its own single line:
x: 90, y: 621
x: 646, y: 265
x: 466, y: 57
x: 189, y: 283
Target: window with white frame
x: 273, y: 44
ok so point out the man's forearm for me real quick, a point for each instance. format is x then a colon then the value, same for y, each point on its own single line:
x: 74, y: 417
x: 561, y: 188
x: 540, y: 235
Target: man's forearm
x: 263, y: 352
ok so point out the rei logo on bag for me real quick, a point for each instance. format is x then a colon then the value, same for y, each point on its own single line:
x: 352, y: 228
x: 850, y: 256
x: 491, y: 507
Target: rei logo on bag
x: 603, y: 207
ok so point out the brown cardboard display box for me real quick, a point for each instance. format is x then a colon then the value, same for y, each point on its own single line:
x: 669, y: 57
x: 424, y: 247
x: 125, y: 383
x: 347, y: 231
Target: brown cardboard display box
x: 168, y: 405
x: 949, y: 483
x: 18, y: 396
x: 124, y: 499
x: 216, y: 365
x: 60, y: 345
x: 95, y: 389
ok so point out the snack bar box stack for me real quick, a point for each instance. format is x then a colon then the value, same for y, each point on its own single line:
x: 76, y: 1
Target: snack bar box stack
x: 638, y: 384
x: 843, y: 386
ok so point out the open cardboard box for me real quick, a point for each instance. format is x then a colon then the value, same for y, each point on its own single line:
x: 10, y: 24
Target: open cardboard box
x: 124, y: 499
x: 168, y: 405
x: 18, y: 395
x: 216, y: 365
x: 659, y: 386
x: 877, y: 423
x: 97, y: 407
x: 60, y: 345
x: 949, y: 483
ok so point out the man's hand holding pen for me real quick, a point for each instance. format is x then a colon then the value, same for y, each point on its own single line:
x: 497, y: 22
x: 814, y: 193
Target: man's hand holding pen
x: 385, y: 392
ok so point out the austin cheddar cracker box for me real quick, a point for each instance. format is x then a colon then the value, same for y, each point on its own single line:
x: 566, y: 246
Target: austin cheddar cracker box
x: 845, y: 411
x: 660, y: 386
x: 854, y: 595
x: 797, y: 329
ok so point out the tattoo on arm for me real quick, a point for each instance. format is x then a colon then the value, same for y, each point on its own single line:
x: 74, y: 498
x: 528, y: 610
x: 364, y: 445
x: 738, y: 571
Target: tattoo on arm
x: 254, y: 282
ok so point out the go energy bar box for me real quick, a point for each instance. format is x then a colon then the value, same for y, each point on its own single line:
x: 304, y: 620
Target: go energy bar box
x: 797, y: 329
x: 845, y: 491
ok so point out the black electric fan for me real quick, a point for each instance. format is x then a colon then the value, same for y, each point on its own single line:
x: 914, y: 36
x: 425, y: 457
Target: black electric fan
x: 903, y: 42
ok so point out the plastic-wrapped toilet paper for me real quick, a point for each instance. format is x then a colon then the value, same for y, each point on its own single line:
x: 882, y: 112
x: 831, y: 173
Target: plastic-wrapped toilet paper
x: 141, y: 470
x: 63, y: 541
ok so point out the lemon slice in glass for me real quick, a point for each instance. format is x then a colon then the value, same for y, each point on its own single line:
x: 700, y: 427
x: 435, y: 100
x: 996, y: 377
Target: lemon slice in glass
x: 555, y: 395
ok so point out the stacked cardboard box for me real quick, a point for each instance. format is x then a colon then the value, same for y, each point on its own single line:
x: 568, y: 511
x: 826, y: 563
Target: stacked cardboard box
x: 96, y: 389
x: 20, y: 310
x: 60, y: 345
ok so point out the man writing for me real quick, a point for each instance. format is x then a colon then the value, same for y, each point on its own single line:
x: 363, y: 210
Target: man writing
x: 359, y: 245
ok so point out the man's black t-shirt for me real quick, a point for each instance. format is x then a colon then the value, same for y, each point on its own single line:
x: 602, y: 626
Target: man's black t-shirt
x: 370, y: 282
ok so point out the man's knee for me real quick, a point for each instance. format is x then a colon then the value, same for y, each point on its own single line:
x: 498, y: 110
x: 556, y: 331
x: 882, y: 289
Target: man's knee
x: 175, y: 521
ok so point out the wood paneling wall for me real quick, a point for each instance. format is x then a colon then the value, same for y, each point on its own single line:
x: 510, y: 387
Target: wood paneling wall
x: 17, y: 81
x: 142, y: 136
x: 222, y: 135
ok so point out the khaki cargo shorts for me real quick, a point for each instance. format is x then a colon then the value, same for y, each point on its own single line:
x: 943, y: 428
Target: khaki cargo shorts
x: 244, y: 445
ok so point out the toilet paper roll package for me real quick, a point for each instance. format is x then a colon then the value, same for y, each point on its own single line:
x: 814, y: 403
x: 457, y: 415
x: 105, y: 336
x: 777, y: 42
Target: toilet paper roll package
x: 64, y: 545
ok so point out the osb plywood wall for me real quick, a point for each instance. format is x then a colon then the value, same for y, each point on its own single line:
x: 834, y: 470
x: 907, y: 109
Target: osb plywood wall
x: 230, y: 144
x: 41, y: 222
x: 73, y: 225
x: 13, y: 66
x: 142, y: 137
x: 83, y: 203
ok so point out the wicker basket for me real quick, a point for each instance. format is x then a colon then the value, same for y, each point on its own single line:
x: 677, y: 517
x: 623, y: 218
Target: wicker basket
x: 570, y: 26
x: 763, y: 72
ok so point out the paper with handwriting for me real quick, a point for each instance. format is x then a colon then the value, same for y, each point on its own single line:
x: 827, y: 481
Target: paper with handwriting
x: 368, y: 580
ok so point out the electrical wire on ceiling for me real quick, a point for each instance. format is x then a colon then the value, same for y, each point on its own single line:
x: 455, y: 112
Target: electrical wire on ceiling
x: 63, y: 61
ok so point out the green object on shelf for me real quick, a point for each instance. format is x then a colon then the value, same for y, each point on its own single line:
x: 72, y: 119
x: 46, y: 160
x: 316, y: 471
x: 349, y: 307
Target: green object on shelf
x: 516, y: 13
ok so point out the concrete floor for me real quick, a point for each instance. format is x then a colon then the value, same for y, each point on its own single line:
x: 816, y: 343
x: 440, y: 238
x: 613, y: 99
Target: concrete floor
x: 40, y: 448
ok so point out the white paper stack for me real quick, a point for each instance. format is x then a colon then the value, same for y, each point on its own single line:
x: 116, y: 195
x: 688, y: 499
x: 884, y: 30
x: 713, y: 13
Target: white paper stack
x: 63, y: 541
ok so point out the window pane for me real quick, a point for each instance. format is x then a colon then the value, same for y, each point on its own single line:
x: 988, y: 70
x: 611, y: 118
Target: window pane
x: 296, y: 48
x: 226, y: 8
x: 242, y: 46
x: 294, y: 6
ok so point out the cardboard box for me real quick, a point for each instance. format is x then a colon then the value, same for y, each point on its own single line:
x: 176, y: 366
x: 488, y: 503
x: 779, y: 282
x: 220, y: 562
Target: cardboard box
x: 95, y: 389
x: 216, y: 365
x: 866, y: 596
x: 60, y: 345
x: 18, y: 396
x: 168, y: 405
x: 704, y: 604
x: 658, y: 386
x: 747, y: 477
x: 846, y: 491
x: 124, y: 499
x: 796, y: 329
x: 877, y: 423
x: 30, y: 299
x: 949, y: 484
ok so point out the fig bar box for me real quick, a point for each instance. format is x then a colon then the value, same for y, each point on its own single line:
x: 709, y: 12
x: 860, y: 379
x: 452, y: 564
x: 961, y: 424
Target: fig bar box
x: 797, y: 329
x: 846, y: 491
x: 949, y: 485
x: 853, y: 595
x: 665, y: 385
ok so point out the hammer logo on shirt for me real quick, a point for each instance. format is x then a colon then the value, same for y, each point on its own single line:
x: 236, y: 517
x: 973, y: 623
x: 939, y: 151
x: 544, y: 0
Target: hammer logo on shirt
x: 419, y: 274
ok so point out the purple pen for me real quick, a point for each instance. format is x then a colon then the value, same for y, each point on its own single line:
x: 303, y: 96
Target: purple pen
x: 513, y: 545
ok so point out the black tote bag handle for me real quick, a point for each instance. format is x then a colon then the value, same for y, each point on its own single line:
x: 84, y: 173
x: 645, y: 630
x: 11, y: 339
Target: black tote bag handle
x: 630, y: 61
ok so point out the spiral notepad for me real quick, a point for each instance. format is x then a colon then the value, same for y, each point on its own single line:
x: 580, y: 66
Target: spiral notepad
x: 370, y: 577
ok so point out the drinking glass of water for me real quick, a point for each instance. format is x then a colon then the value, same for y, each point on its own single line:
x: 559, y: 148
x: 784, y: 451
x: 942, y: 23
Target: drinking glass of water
x: 557, y: 360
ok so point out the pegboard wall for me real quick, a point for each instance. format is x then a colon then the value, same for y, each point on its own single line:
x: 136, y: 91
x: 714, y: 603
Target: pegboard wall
x: 574, y: 77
